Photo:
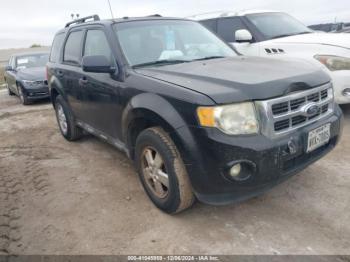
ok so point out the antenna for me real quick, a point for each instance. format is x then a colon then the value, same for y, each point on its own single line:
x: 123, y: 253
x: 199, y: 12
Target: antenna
x: 110, y: 8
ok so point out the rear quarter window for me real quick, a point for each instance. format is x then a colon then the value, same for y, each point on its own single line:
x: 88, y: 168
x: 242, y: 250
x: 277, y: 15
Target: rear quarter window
x: 56, y: 48
x: 72, y: 49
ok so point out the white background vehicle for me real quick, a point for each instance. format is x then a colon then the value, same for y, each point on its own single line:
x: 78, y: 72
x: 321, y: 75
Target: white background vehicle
x: 276, y: 34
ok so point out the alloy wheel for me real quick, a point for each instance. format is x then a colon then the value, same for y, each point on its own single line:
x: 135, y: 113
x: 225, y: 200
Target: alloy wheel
x: 62, y: 120
x: 21, y: 96
x: 155, y: 173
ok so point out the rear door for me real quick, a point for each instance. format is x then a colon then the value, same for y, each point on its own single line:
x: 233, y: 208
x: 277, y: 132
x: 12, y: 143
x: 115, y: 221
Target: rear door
x: 100, y: 90
x: 71, y: 71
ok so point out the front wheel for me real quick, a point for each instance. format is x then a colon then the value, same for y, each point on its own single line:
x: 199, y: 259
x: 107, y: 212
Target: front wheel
x: 10, y: 93
x: 162, y: 171
x: 23, y: 97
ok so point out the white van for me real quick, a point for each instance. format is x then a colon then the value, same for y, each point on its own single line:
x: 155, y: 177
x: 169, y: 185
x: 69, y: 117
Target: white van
x: 277, y: 34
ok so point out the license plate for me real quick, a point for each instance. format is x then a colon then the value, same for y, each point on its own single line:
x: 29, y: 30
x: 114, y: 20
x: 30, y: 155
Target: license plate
x: 318, y: 137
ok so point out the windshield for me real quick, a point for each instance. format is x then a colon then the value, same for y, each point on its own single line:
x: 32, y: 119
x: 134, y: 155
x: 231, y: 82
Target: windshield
x: 152, y: 42
x: 275, y: 25
x: 28, y: 61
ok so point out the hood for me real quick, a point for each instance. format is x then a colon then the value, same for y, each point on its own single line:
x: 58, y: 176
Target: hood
x: 340, y: 39
x: 34, y: 73
x: 239, y: 79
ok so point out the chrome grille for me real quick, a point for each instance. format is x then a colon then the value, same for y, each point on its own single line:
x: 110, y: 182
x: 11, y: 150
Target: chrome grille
x: 282, y: 115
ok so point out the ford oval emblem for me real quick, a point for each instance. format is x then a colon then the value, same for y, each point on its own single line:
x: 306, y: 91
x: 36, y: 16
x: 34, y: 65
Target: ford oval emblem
x: 311, y: 109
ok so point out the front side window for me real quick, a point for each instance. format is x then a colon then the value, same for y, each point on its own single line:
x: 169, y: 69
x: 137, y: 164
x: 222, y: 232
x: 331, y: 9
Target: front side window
x: 145, y: 42
x: 72, y: 49
x: 210, y: 24
x: 97, y: 44
x: 276, y: 25
x: 29, y: 61
x: 227, y: 28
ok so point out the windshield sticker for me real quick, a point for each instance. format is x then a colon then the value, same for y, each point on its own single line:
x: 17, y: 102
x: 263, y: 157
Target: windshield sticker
x: 22, y: 61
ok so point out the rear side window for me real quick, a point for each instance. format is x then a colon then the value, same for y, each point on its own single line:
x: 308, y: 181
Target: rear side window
x: 96, y: 43
x: 56, y: 48
x: 227, y: 28
x: 72, y: 49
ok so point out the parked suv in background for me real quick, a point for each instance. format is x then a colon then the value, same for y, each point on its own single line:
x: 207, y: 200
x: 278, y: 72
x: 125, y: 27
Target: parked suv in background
x: 278, y: 35
x: 25, y: 76
x: 198, y: 119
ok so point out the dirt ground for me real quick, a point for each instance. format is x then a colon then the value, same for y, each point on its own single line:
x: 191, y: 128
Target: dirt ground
x: 58, y: 197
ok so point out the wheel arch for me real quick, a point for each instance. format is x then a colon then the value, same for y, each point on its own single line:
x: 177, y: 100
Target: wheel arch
x: 56, y: 89
x: 143, y: 111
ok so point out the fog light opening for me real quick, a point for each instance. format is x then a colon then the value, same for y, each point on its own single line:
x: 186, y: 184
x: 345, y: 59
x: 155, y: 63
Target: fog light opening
x: 346, y: 92
x: 241, y: 171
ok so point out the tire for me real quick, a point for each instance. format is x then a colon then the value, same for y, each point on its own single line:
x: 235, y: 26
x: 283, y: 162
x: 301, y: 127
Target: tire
x: 69, y: 129
x: 23, y: 97
x: 10, y: 93
x: 174, y: 194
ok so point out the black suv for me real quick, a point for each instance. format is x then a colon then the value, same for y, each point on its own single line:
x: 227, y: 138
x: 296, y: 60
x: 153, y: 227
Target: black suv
x: 25, y: 76
x: 199, y: 120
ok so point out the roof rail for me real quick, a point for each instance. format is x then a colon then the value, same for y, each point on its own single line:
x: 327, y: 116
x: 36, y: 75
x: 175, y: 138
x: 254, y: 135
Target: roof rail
x: 156, y: 15
x: 208, y: 14
x: 83, y: 20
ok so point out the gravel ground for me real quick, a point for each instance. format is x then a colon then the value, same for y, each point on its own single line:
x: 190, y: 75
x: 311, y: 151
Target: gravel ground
x: 58, y: 197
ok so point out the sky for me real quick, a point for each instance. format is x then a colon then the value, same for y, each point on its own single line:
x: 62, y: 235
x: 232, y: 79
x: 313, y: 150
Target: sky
x: 25, y: 22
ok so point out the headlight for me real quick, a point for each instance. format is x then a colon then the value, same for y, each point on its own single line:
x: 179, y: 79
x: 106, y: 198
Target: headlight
x: 235, y: 119
x: 334, y: 63
x: 28, y: 83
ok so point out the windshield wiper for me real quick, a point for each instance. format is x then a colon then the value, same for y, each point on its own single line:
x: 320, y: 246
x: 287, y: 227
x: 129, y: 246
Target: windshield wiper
x: 160, y: 62
x: 208, y: 58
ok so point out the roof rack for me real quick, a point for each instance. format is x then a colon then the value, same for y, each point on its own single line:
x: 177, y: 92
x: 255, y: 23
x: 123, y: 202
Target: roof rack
x: 83, y: 20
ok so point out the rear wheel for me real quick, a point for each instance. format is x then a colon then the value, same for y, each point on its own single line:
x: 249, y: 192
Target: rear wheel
x: 66, y: 121
x: 162, y: 172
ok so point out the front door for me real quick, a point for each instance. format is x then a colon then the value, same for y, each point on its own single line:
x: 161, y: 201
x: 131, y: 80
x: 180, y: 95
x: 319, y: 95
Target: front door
x: 101, y: 102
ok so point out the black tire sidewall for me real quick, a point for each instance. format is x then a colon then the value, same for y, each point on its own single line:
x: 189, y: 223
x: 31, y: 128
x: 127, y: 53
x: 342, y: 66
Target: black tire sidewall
x: 25, y: 99
x: 148, y: 138
x: 8, y: 89
x: 70, y: 120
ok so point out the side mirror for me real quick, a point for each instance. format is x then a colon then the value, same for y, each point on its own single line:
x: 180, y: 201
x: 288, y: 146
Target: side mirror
x: 243, y: 36
x: 97, y: 64
x: 9, y: 68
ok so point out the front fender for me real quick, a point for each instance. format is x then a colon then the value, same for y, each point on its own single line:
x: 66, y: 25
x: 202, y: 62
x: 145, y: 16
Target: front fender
x: 151, y: 102
x: 158, y: 107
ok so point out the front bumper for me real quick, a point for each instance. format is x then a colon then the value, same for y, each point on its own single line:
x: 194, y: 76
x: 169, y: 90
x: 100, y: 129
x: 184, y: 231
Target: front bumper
x: 272, y: 158
x: 37, y: 93
x: 341, y: 82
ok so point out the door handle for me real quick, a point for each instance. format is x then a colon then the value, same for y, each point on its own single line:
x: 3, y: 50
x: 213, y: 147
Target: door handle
x: 83, y: 81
